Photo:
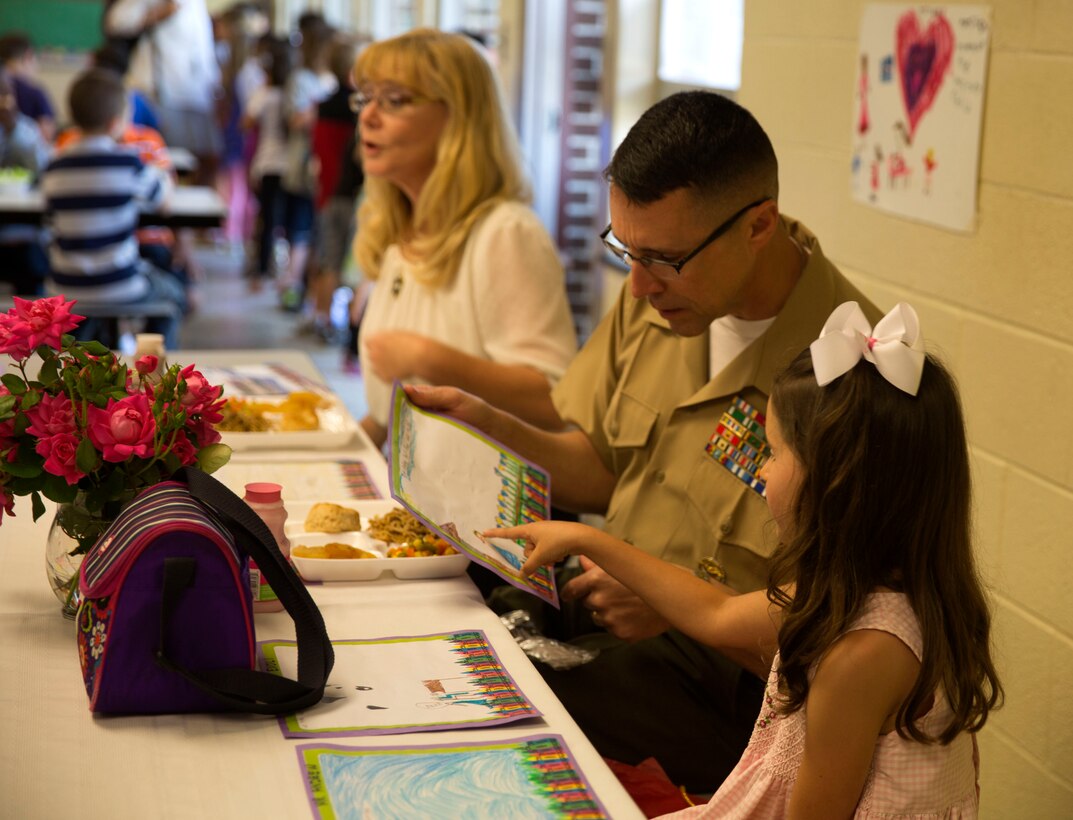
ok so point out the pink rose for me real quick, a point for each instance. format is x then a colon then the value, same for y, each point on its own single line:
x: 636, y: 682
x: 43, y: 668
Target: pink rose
x: 14, y: 340
x: 52, y: 416
x: 203, y: 431
x: 123, y: 429
x: 42, y: 321
x: 147, y: 364
x: 59, y: 452
x: 199, y: 394
x: 184, y: 450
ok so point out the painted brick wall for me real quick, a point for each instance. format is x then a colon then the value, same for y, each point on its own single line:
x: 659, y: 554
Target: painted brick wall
x: 997, y: 303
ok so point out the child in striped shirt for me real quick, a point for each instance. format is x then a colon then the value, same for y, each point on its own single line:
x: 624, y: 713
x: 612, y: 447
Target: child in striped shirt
x: 95, y: 191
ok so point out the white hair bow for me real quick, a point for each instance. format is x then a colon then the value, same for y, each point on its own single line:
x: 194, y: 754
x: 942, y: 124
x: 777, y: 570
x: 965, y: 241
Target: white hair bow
x: 895, y: 347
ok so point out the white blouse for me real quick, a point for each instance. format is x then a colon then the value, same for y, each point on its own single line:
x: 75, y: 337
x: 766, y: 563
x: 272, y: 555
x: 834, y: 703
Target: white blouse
x: 507, y: 303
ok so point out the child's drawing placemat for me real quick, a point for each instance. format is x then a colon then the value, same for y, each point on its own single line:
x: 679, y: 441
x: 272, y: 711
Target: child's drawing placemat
x: 310, y: 480
x: 450, y: 680
x: 461, y: 483
x: 526, y: 777
x: 257, y: 380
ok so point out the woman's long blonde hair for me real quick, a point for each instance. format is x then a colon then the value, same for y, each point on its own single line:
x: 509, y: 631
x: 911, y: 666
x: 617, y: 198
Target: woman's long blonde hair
x: 478, y: 161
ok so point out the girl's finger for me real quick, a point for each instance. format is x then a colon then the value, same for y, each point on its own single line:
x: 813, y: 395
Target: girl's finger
x: 506, y: 532
x: 530, y: 566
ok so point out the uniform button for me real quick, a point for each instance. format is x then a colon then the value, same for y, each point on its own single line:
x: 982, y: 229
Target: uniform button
x: 660, y: 477
x: 726, y: 527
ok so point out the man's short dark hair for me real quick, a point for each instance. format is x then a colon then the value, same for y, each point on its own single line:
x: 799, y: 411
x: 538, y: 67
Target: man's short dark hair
x: 97, y: 97
x: 699, y: 140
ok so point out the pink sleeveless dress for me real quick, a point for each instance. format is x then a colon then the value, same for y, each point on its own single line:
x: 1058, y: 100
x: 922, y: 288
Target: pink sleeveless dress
x: 907, y: 779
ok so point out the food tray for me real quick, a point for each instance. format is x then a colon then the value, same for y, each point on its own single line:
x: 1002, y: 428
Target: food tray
x: 337, y: 427
x: 362, y: 569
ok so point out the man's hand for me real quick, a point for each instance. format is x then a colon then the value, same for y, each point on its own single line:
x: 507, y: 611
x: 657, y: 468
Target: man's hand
x: 612, y: 605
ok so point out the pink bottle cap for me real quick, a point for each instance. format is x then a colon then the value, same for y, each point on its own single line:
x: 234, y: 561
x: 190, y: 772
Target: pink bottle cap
x: 263, y: 492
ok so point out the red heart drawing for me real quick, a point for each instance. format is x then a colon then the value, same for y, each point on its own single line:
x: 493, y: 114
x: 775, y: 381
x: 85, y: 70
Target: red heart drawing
x: 923, y: 60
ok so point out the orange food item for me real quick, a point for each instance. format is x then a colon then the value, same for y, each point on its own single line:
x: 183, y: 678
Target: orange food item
x: 333, y: 549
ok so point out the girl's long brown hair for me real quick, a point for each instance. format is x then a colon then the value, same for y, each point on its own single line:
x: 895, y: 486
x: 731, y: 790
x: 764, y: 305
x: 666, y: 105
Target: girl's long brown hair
x: 885, y: 501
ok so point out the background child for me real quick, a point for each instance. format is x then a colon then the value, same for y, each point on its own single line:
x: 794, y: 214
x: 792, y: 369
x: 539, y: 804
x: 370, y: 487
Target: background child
x: 23, y: 265
x: 874, y: 616
x: 264, y: 114
x: 94, y: 191
x: 19, y: 59
x: 333, y: 146
x: 308, y: 84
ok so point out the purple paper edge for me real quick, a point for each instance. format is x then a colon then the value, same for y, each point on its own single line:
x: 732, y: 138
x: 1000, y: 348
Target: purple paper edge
x: 302, y: 747
x: 480, y: 559
x: 444, y: 727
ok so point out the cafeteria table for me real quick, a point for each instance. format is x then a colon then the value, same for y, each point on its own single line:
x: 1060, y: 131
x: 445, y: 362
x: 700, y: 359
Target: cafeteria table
x: 58, y: 759
x: 190, y: 206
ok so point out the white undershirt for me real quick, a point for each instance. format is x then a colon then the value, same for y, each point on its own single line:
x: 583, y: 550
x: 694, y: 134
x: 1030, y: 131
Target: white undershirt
x: 728, y: 336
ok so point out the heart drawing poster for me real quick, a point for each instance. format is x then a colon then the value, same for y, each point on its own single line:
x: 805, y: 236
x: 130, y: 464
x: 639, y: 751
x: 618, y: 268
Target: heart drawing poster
x: 921, y: 77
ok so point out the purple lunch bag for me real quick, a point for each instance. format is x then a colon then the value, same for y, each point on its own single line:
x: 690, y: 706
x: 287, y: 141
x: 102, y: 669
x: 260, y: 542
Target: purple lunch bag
x: 166, y: 625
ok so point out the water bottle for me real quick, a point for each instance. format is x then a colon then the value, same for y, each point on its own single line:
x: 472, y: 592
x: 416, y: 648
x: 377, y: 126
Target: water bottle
x: 266, y: 499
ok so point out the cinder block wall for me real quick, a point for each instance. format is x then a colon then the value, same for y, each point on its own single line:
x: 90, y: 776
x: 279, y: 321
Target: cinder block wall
x: 997, y: 303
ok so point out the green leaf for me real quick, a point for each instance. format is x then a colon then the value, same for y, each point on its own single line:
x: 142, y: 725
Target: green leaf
x: 23, y: 469
x: 95, y: 348
x: 31, y: 399
x: 24, y: 486
x: 86, y: 456
x: 56, y: 488
x: 212, y: 458
x: 22, y: 421
x: 13, y: 383
x: 37, y: 505
x: 49, y: 372
x: 7, y: 407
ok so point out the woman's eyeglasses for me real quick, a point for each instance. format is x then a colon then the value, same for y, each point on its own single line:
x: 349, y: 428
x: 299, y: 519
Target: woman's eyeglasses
x: 665, y: 268
x: 388, y: 100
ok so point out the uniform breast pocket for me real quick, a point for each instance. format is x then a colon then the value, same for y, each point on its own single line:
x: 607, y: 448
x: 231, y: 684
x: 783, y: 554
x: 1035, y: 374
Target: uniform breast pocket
x: 629, y: 422
x: 743, y: 534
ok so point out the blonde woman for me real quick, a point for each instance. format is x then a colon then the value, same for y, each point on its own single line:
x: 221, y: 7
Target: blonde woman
x: 468, y: 286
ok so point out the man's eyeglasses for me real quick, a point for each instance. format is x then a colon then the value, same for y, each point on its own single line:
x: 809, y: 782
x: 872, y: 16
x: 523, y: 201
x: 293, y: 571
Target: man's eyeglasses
x: 388, y: 100
x: 662, y: 268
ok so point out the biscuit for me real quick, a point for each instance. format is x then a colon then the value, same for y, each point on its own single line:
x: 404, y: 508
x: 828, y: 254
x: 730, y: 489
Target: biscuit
x: 327, y: 517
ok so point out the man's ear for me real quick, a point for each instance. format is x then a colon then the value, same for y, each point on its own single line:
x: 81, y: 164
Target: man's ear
x: 763, y: 223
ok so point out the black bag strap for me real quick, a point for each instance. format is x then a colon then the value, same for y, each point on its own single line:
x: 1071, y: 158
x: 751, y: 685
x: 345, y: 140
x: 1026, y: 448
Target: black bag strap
x: 250, y: 690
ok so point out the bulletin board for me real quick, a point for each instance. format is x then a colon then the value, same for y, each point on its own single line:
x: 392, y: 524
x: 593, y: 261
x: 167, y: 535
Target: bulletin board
x: 74, y: 25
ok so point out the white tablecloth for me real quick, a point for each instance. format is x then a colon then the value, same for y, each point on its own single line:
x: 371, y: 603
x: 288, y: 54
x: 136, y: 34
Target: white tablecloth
x: 58, y: 760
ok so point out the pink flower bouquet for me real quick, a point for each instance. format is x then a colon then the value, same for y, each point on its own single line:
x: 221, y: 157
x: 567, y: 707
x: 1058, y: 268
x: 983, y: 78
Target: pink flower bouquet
x: 83, y: 427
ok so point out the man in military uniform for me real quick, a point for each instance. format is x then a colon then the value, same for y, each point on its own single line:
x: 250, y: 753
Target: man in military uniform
x: 664, y: 411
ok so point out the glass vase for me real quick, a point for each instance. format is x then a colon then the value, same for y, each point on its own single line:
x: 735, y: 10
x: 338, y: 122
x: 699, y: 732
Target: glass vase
x: 74, y: 529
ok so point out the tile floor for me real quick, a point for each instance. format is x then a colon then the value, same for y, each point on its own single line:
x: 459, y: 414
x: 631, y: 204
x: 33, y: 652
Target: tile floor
x: 230, y: 316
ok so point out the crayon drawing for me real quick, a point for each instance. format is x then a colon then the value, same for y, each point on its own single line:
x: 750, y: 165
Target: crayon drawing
x: 918, y: 111
x: 530, y: 777
x: 451, y: 680
x: 460, y: 483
